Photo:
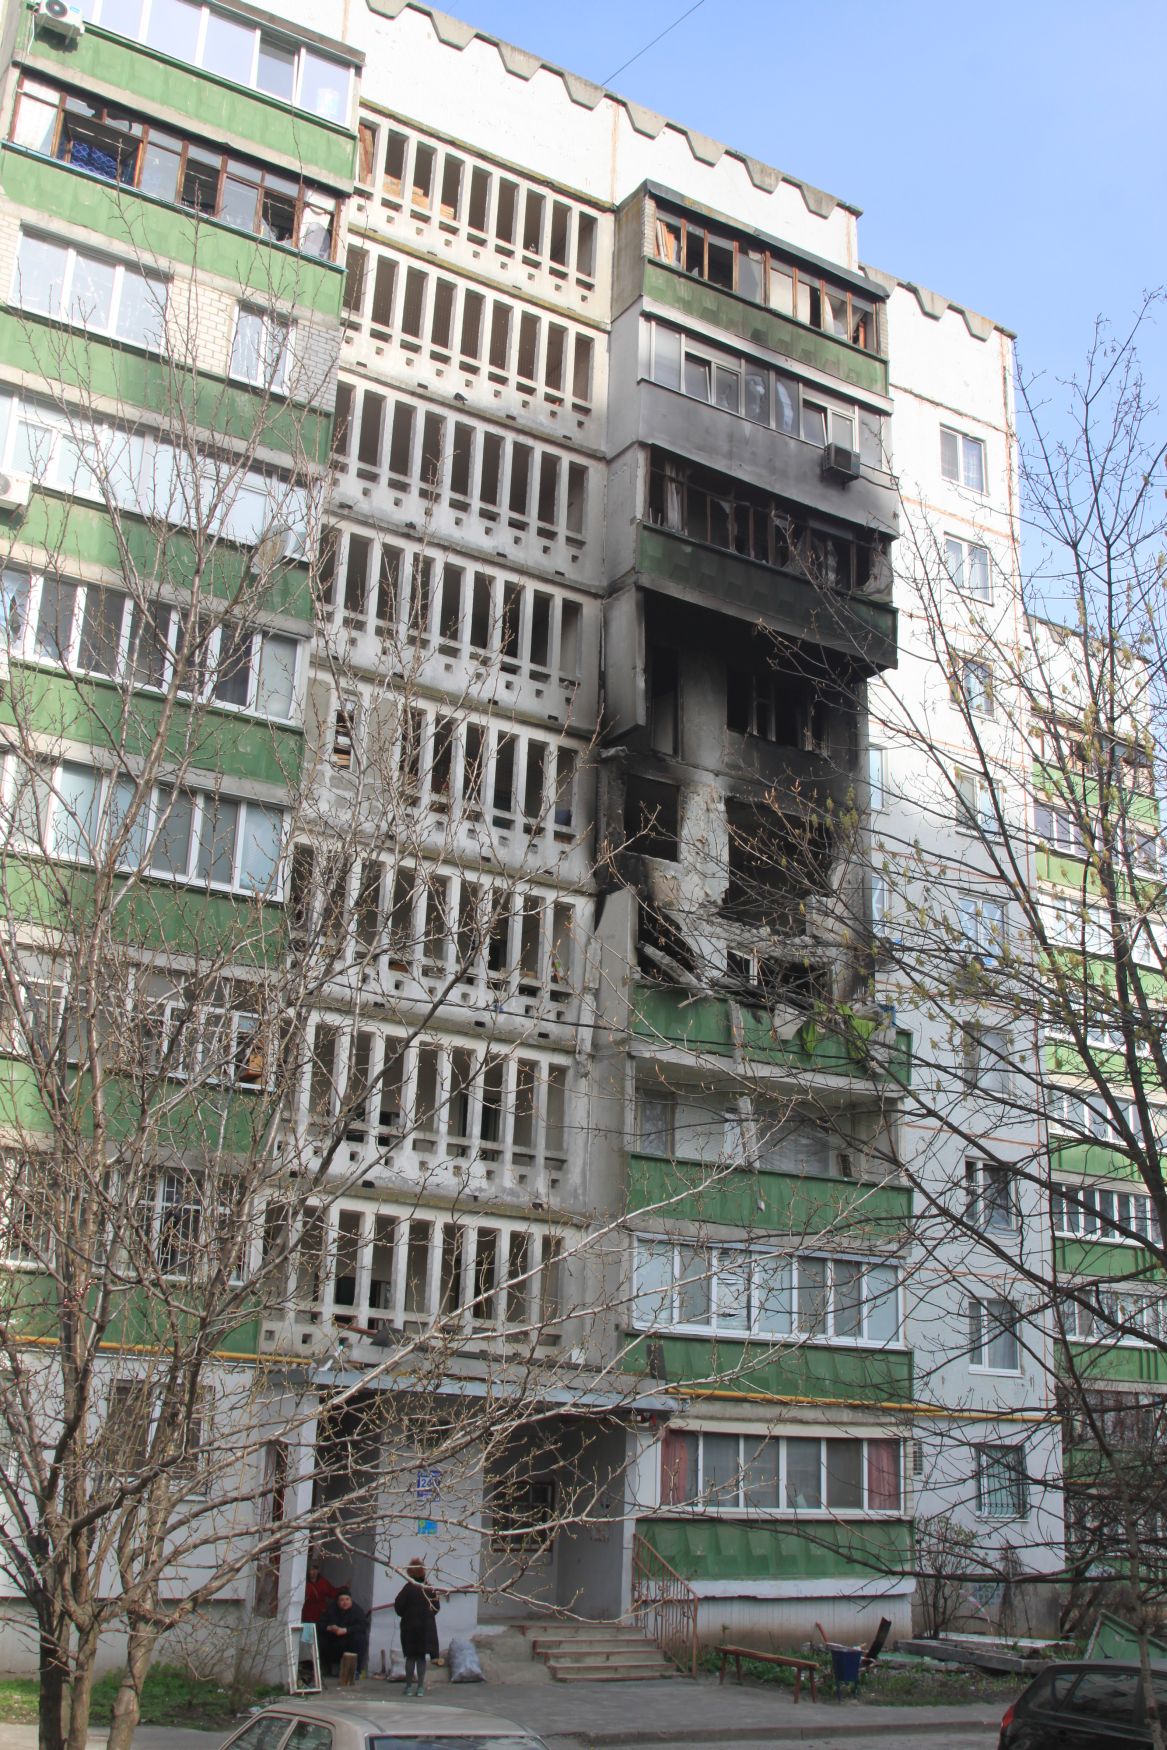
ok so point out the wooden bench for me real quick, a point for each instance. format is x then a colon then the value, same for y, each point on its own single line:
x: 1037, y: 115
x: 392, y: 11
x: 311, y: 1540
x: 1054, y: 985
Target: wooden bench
x: 737, y: 1654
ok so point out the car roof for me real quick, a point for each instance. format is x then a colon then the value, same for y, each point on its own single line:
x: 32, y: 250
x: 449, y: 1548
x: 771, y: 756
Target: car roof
x: 391, y: 1716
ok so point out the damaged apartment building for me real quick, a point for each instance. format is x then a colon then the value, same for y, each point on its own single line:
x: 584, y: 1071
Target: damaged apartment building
x: 612, y: 440
x: 607, y: 577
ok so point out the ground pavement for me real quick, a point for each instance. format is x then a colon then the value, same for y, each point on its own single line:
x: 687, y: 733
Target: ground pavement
x: 676, y: 1711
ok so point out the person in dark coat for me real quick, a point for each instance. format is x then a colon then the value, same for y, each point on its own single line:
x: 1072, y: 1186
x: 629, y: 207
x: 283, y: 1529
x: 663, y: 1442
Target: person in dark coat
x: 343, y: 1628
x: 417, y: 1606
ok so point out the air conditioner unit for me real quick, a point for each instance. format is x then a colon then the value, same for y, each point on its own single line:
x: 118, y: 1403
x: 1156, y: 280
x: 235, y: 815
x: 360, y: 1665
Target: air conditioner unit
x: 61, y: 18
x: 840, y: 463
x: 14, y: 491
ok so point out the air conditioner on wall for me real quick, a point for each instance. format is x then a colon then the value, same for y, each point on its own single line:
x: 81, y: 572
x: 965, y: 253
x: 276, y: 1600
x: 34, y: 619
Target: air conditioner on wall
x: 840, y: 463
x: 14, y: 490
x: 61, y: 18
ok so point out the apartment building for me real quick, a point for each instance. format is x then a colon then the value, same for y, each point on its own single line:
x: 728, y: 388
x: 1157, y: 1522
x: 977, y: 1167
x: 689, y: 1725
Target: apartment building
x: 612, y: 680
x: 172, y: 186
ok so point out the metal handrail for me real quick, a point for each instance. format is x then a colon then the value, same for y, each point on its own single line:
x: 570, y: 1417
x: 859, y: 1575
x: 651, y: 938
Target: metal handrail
x: 665, y: 1605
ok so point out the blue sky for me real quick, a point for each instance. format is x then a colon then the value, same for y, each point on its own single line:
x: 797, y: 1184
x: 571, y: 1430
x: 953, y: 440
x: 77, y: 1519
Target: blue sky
x: 1010, y: 155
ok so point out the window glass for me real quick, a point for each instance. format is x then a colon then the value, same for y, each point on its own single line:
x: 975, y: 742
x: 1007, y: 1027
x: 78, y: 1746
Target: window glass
x: 75, y: 813
x: 720, y: 1466
x: 260, y: 849
x: 54, y: 627
x: 693, y: 1287
x: 654, y: 1280
x: 175, y: 818
x: 781, y: 288
x: 949, y: 454
x: 141, y: 313
x: 13, y: 604
x: 804, y: 1474
x: 239, y: 202
x: 848, y: 1298
x: 215, y: 857
x: 276, y: 68
x: 845, y: 1474
x: 761, y: 1473
x: 40, y: 275
x: 667, y: 358
x: 324, y: 87
x: 309, y: 1735
x: 732, y: 1291
x: 91, y: 294
x: 814, y: 424
x: 227, y: 47
x: 133, y: 852
x: 882, y: 1309
x: 277, y: 676
x: 36, y: 118
x: 266, y: 1733
x: 728, y: 388
x: 883, y: 1476
x: 174, y: 29
x: 786, y: 404
x: 160, y: 161
x: 696, y: 377
x: 772, y: 1291
x: 974, y: 464
x: 812, y: 1295
x: 757, y: 385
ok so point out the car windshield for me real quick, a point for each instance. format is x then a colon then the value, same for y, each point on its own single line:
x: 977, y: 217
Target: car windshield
x: 449, y: 1741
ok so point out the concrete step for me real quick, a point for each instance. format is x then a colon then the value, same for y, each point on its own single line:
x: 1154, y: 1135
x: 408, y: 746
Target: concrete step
x: 572, y: 1671
x: 605, y: 1656
x: 601, y: 1643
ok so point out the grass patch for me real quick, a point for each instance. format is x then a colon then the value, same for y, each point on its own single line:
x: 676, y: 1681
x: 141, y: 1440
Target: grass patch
x: 18, y: 1701
x: 886, y: 1685
x: 170, y: 1697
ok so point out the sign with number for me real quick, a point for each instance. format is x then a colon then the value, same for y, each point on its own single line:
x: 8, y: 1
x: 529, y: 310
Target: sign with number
x: 427, y: 1528
x: 429, y: 1483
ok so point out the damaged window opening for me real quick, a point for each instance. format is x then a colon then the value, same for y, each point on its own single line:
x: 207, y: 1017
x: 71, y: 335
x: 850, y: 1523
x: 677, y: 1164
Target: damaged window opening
x: 793, y: 288
x: 651, y: 818
x: 705, y: 506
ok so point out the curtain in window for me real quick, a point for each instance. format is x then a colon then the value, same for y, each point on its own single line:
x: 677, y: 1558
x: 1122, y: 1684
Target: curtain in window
x: 883, y: 1476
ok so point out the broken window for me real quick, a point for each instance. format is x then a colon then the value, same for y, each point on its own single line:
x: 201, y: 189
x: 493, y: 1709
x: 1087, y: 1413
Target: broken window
x: 664, y: 700
x: 651, y: 818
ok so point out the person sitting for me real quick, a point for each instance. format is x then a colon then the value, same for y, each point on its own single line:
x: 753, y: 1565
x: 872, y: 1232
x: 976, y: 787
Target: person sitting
x: 343, y: 1628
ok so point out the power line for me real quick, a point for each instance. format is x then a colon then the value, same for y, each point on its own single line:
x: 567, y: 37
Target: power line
x: 653, y: 43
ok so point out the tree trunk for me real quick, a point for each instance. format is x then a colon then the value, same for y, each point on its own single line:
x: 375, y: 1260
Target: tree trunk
x: 85, y: 1659
x: 53, y: 1704
x: 127, y: 1705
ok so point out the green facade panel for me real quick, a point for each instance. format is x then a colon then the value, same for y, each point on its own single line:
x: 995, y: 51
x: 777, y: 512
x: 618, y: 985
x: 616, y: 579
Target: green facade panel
x: 1094, y: 1159
x: 700, y: 302
x: 799, y: 1370
x: 850, y: 1214
x: 862, y: 629
x: 134, y: 379
x: 153, y: 914
x: 218, y: 109
x: 71, y: 532
x: 706, y: 1026
x: 269, y: 272
x: 726, y: 1549
x: 1095, y: 1364
x: 1106, y: 1258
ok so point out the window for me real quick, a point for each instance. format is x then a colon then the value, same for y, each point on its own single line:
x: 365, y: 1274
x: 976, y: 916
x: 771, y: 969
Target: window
x: 987, y: 1060
x: 876, y: 777
x: 962, y: 459
x: 765, y: 1474
x: 89, y: 291
x: 128, y: 1419
x: 754, y: 391
x: 1058, y: 828
x: 990, y: 1197
x: 1002, y: 1482
x: 972, y: 686
x: 968, y: 567
x: 982, y: 926
x: 184, y: 835
x: 1100, y: 1211
x: 232, y: 48
x: 105, y: 142
x: 145, y: 475
x: 261, y: 352
x: 992, y: 1335
x: 796, y: 289
x: 979, y: 803
x: 747, y: 1289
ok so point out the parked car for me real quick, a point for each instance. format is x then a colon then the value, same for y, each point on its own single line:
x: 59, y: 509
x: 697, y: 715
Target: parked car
x: 1095, y: 1706
x: 358, y: 1721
